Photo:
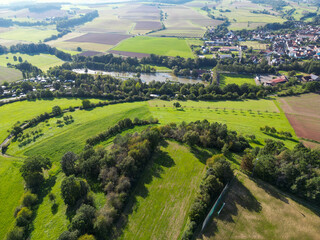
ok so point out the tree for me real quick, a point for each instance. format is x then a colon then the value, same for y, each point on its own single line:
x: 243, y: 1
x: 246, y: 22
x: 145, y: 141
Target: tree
x: 14, y: 58
x: 17, y: 233
x: 79, y: 49
x: 177, y: 105
x: 83, y: 220
x: 73, y: 189
x: 68, y: 163
x: 56, y: 111
x: 86, y: 103
x: 20, y: 59
x: 32, y: 170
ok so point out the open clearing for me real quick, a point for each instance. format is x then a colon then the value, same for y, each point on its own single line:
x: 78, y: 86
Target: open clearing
x: 9, y: 74
x: 161, y: 46
x: 303, y: 113
x: 164, y: 194
x: 11, y: 189
x: 256, y: 210
x: 238, y: 79
x: 42, y: 61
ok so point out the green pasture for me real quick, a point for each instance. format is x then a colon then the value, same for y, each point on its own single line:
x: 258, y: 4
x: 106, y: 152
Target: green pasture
x: 25, y: 110
x: 238, y: 79
x: 161, y: 46
x: 42, y: 61
x: 11, y: 189
x: 9, y: 74
x: 163, y: 196
x: 28, y: 34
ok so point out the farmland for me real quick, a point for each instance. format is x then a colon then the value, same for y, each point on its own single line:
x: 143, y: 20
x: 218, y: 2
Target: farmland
x: 238, y: 79
x: 42, y: 61
x: 303, y: 113
x: 161, y: 46
x: 164, y: 194
x: 9, y: 74
x: 253, y: 210
x: 28, y: 34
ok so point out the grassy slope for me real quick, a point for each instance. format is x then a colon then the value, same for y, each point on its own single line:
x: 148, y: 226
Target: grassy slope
x: 238, y: 79
x: 160, y: 46
x: 42, y: 61
x: 256, y: 210
x: 9, y: 74
x: 21, y: 111
x: 11, y: 190
x: 244, y: 122
x: 164, y: 194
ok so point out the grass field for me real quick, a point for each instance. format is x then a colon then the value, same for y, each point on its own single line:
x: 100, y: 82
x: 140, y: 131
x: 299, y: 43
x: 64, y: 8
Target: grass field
x: 21, y: 111
x: 164, y: 194
x: 238, y: 79
x: 255, y: 45
x: 9, y: 74
x: 42, y: 61
x: 160, y: 46
x: 11, y: 189
x: 28, y: 34
x: 88, y: 123
x: 256, y: 210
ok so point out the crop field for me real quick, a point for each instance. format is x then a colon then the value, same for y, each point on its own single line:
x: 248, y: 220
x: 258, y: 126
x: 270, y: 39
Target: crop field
x: 160, y: 46
x: 303, y: 113
x: 9, y: 74
x: 164, y: 194
x: 11, y: 189
x: 101, y: 38
x: 28, y: 34
x: 184, y: 22
x: 256, y: 210
x: 238, y: 79
x: 42, y: 61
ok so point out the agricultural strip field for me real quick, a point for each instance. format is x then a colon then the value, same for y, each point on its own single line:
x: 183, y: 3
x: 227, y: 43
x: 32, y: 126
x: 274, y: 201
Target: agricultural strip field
x: 42, y: 61
x: 161, y: 46
x: 238, y: 79
x: 9, y: 74
x: 11, y: 189
x: 256, y: 210
x: 26, y: 110
x: 303, y: 113
x: 164, y: 194
x: 183, y: 21
x: 100, y: 38
x: 28, y: 34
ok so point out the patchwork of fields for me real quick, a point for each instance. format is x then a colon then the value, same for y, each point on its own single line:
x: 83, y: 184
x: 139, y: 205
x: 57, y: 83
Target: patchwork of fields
x: 9, y: 74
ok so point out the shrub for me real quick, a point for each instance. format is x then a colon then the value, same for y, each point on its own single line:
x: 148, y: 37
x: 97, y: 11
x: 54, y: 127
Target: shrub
x: 24, y: 217
x: 29, y: 199
x: 16, y: 234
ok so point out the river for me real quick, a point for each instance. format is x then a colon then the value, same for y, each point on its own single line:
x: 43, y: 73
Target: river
x: 145, y: 77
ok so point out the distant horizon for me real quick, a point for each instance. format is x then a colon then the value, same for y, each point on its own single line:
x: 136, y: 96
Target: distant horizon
x: 8, y: 2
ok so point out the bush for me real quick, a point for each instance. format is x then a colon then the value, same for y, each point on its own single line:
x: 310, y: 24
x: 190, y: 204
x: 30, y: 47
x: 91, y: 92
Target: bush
x: 87, y: 237
x: 83, y: 220
x: 24, y: 217
x: 16, y: 234
x: 29, y: 199
x: 73, y: 189
x: 188, y: 233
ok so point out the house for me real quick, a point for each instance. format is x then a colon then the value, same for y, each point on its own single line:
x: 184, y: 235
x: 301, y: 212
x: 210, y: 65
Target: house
x: 311, y: 78
x: 273, y: 82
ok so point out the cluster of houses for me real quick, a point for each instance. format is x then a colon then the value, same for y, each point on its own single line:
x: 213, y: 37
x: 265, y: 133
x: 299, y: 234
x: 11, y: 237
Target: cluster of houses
x: 303, y: 43
x: 283, y: 79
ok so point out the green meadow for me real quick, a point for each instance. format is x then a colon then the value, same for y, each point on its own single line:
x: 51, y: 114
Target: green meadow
x: 11, y: 189
x: 246, y: 117
x: 42, y: 61
x: 9, y: 74
x: 28, y: 34
x: 161, y: 46
x: 163, y: 197
x: 238, y: 79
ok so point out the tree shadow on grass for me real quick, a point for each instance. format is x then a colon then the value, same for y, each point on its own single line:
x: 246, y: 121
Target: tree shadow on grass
x: 156, y: 167
x: 203, y: 154
x: 237, y: 196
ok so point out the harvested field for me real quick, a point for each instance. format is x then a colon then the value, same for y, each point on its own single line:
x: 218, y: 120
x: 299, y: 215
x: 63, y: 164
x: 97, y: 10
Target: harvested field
x: 101, y: 38
x: 129, y: 54
x: 147, y: 25
x: 303, y: 113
